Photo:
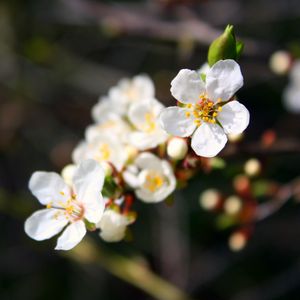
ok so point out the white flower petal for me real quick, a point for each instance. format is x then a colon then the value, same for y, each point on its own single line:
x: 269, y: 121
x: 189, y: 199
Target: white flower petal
x: 49, y: 187
x: 143, y: 141
x: 113, y: 226
x: 71, y: 236
x: 144, y: 85
x: 130, y: 175
x: 234, y: 117
x: 147, y: 160
x: 187, y: 86
x: 45, y: 223
x: 208, y: 140
x: 88, y: 181
x: 174, y: 121
x: 139, y: 111
x: 105, y: 109
x: 223, y: 80
x: 80, y: 152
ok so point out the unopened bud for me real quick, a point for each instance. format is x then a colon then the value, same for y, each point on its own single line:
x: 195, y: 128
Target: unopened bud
x: 209, y: 199
x: 280, y: 62
x: 232, y: 205
x: 237, y: 241
x: 177, y: 148
x: 67, y: 173
x: 224, y: 47
x: 252, y: 167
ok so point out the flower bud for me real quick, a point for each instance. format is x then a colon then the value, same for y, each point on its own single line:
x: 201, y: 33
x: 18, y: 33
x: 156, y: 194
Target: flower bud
x: 113, y: 226
x: 177, y: 148
x: 232, y: 205
x: 280, y: 62
x: 252, y: 167
x: 209, y: 199
x: 67, y: 173
x: 237, y: 241
x: 224, y: 47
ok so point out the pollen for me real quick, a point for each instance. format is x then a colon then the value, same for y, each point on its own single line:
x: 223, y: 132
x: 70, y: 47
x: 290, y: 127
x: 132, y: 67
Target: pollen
x: 105, y: 152
x: 150, y: 124
x: 153, y: 181
x: 204, y: 110
x: 187, y: 114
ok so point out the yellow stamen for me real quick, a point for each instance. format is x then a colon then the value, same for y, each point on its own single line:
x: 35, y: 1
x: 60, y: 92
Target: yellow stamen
x: 153, y: 181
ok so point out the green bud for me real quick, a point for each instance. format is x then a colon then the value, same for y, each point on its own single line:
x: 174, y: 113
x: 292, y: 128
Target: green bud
x: 224, y: 47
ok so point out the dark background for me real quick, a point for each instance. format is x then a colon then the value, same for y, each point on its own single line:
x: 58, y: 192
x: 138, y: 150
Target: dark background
x: 57, y: 57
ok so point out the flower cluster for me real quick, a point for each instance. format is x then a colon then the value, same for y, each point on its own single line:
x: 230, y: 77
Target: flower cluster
x: 137, y: 149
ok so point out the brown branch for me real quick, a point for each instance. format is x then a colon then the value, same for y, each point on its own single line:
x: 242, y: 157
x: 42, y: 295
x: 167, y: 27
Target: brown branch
x: 129, y: 270
x: 284, y: 193
x: 140, y: 21
x: 257, y: 149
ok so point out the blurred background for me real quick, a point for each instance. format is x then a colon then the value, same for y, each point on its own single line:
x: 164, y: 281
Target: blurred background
x: 57, y: 57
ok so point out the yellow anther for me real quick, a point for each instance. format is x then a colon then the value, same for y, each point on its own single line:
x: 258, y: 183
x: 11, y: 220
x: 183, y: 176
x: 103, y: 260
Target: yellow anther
x: 189, y: 105
x: 219, y: 100
x: 49, y: 205
x: 153, y: 181
x: 187, y: 114
x: 210, y: 104
x: 215, y: 114
x: 150, y: 124
x: 105, y: 151
x: 220, y: 108
x: 62, y: 193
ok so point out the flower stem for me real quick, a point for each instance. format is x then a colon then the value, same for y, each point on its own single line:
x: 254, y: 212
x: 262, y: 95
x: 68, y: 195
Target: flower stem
x: 129, y: 270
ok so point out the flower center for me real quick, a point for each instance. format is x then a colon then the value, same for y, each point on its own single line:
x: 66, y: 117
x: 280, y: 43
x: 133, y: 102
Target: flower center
x: 204, y: 110
x: 71, y: 209
x: 104, y: 152
x: 153, y: 181
x: 149, y: 125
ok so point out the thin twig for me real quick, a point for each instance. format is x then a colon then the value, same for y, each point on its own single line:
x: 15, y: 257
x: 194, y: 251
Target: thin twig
x: 131, y: 271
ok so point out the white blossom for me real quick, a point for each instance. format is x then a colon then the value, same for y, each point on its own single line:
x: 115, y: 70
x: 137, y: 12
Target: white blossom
x: 113, y: 226
x: 208, y: 112
x: 65, y: 205
x: 128, y: 91
x: 113, y: 125
x: 144, y: 116
x: 152, y: 178
x: 104, y: 148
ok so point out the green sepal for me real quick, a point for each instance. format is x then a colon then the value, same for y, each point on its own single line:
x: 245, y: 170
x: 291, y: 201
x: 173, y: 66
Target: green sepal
x: 110, y: 188
x: 89, y: 226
